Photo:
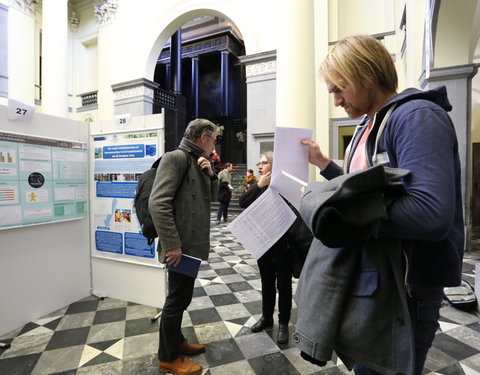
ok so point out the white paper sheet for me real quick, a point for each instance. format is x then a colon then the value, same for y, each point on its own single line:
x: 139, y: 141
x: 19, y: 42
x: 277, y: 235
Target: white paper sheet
x: 262, y: 223
x: 290, y: 188
x: 289, y: 154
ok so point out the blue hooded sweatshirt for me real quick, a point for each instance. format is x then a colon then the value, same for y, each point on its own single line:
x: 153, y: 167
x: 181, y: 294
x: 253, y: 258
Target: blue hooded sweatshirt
x: 419, y: 136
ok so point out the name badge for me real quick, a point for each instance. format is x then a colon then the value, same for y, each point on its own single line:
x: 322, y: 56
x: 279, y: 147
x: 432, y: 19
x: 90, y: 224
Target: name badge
x: 381, y: 158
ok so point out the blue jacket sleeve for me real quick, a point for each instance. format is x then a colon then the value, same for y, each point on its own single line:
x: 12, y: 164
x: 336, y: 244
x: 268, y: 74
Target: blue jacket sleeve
x: 422, y: 140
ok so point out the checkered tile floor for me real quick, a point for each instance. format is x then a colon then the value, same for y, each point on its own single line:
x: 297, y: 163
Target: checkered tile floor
x: 110, y: 336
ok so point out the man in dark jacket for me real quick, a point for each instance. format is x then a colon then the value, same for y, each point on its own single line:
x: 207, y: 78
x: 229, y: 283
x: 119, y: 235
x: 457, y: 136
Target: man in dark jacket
x: 224, y: 192
x: 180, y: 209
x: 419, y: 136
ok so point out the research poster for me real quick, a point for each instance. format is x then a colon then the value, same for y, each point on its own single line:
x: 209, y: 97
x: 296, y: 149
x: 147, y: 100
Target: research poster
x: 42, y: 180
x: 118, y: 161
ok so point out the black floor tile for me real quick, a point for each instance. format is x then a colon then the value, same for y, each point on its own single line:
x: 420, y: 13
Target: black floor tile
x: 199, y: 292
x: 82, y: 306
x: 103, y: 345
x: 275, y: 363
x: 69, y: 372
x: 204, y: 316
x: 53, y: 324
x: 475, y: 326
x: 453, y: 347
x: 222, y: 352
x: 224, y: 299
x: 28, y: 327
x: 108, y: 316
x: 239, y: 286
x: 101, y: 358
x: 254, y: 307
x: 225, y: 271
x: 22, y: 365
x: 140, y: 326
x: 68, y: 337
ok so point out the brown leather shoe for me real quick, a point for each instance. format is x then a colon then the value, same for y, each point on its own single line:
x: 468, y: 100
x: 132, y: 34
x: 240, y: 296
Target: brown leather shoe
x: 191, y: 349
x: 181, y: 366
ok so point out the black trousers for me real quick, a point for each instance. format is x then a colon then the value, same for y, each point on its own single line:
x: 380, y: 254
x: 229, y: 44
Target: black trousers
x: 276, y: 275
x: 180, y: 293
x: 424, y: 309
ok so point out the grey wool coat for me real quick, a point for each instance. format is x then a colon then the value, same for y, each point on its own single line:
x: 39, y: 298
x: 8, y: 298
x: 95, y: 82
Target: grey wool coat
x: 180, y: 202
x: 351, y: 298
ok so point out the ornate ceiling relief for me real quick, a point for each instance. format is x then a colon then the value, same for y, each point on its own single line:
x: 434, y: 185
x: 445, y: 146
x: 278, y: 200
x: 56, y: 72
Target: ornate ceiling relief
x: 28, y: 6
x: 74, y: 20
x: 105, y: 10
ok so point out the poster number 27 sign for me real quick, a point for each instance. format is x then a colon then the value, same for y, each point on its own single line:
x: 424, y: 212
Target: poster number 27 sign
x: 18, y: 111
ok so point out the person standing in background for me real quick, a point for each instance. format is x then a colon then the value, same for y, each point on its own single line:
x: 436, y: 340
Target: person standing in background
x: 215, y: 158
x: 225, y: 192
x: 250, y: 180
x: 275, y: 265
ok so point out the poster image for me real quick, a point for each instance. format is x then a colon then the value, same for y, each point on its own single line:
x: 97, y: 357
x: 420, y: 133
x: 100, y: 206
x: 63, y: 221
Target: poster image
x: 41, y: 180
x: 118, y: 162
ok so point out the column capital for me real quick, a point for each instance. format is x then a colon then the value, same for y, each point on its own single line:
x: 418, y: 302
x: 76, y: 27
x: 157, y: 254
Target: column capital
x: 105, y: 10
x: 27, y: 6
x: 74, y: 20
x: 466, y: 71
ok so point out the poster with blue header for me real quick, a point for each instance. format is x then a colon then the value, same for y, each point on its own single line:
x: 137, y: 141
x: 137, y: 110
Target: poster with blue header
x: 118, y: 161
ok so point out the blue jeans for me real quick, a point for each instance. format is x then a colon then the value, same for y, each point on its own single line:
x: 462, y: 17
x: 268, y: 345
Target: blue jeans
x: 223, y: 210
x: 424, y: 307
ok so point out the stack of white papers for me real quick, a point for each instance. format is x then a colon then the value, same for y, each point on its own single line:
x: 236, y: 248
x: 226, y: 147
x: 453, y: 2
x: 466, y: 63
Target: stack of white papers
x: 262, y: 224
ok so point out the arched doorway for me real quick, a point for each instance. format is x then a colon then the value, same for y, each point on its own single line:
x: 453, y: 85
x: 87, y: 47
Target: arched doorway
x: 199, y: 75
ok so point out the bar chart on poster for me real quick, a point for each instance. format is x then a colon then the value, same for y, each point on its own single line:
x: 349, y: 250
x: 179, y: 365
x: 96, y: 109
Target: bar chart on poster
x: 42, y: 180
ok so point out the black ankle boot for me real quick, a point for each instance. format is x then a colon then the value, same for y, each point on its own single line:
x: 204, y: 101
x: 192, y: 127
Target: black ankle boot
x: 283, y: 334
x: 262, y: 324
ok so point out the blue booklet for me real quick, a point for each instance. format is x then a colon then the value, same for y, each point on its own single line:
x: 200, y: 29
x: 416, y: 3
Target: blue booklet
x: 188, y: 266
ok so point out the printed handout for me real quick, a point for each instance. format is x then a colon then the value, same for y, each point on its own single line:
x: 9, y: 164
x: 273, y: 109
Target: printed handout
x: 262, y: 223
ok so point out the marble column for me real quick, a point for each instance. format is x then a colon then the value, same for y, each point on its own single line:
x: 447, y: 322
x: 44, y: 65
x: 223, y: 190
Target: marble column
x: 295, y: 102
x: 3, y: 50
x: 54, y: 57
x: 176, y: 62
x: 194, y: 86
x: 167, y: 77
x: 458, y: 80
x: 224, y: 87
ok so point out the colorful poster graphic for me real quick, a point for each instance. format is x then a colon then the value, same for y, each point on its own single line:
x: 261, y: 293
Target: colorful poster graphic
x: 119, y: 160
x: 34, y: 173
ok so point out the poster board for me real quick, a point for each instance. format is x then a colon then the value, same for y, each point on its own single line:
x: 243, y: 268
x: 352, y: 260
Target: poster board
x: 42, y: 180
x: 119, y: 159
x: 129, y: 277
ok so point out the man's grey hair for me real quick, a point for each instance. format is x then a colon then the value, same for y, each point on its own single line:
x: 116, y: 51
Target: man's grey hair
x: 198, y: 126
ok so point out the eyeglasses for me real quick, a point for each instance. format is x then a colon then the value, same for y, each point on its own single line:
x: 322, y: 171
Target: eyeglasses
x: 214, y: 140
x: 262, y: 163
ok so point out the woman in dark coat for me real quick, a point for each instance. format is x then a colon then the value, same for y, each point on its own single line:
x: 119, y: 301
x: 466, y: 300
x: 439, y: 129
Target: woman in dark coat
x: 275, y: 265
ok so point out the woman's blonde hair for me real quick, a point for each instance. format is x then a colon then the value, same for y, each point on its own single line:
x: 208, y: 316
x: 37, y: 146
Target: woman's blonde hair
x: 269, y: 156
x: 360, y: 61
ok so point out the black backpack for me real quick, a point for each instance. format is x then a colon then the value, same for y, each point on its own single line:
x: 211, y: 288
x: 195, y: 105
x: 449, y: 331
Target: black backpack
x: 142, y: 195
